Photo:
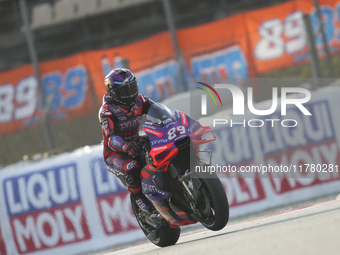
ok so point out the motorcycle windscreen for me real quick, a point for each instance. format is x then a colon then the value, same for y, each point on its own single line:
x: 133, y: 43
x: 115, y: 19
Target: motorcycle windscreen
x: 159, y: 114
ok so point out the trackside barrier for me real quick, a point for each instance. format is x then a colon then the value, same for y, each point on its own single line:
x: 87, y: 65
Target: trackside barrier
x: 69, y: 204
x: 2, y: 245
x: 315, y: 140
x: 65, y: 205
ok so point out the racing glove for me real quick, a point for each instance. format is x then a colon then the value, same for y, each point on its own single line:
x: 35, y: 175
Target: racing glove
x: 131, y: 148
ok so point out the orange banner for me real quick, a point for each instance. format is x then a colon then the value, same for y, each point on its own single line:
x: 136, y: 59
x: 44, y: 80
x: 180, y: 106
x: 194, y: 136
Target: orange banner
x: 238, y: 47
x: 277, y: 33
x: 218, y: 50
x: 215, y: 51
x: 151, y: 60
x: 65, y: 85
x: 278, y: 36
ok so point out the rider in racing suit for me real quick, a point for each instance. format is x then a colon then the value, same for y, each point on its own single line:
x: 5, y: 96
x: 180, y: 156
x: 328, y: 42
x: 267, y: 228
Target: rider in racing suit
x: 120, y: 117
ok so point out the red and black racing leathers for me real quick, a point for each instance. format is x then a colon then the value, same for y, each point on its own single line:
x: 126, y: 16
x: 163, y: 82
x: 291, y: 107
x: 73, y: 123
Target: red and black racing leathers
x: 121, y: 127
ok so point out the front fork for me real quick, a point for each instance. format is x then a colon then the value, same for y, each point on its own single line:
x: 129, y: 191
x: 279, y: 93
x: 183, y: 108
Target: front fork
x: 192, y: 186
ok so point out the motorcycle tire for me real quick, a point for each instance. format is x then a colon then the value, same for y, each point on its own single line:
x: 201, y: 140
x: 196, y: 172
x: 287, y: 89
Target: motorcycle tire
x: 165, y: 235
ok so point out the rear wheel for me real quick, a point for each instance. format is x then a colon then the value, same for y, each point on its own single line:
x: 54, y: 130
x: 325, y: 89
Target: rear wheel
x: 163, y: 236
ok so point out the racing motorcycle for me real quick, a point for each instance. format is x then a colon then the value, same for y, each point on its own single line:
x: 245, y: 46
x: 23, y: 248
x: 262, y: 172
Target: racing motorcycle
x: 180, y: 196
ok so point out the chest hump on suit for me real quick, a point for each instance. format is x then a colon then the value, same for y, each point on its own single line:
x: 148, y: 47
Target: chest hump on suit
x: 129, y: 121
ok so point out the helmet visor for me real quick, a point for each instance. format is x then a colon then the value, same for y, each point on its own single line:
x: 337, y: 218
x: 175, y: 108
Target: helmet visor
x: 127, y: 90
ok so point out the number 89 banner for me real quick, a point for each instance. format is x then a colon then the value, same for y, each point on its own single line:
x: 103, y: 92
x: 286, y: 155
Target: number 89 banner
x: 65, y: 85
x: 280, y: 33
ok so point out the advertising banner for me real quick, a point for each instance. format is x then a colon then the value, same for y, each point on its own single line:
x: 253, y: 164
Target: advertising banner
x: 218, y: 51
x: 151, y: 60
x: 277, y: 34
x: 310, y: 149
x: 305, y: 157
x: 65, y: 205
x: 112, y: 200
x: 45, y: 209
x: 71, y: 204
x: 237, y: 47
x: 65, y: 83
x: 2, y: 244
x: 214, y: 52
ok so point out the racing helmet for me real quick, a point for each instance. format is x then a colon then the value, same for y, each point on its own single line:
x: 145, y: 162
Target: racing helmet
x: 122, y: 86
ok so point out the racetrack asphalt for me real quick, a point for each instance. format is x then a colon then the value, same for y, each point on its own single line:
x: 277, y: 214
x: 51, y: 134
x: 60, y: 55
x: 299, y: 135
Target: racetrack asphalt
x: 310, y: 230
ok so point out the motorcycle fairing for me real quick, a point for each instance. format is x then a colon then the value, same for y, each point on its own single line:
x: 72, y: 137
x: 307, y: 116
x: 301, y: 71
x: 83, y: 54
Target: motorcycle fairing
x: 164, y: 136
x: 162, y: 141
x: 157, y: 190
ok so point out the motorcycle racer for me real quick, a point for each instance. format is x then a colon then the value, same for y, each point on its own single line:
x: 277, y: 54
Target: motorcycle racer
x: 120, y: 116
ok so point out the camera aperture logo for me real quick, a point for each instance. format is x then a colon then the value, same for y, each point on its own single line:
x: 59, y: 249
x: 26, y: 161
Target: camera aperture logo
x: 238, y: 100
x: 204, y: 97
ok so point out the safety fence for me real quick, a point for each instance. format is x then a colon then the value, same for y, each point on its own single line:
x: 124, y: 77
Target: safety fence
x: 240, y: 47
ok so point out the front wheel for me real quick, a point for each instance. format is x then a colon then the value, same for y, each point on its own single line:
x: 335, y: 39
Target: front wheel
x: 163, y: 236
x: 213, y: 204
